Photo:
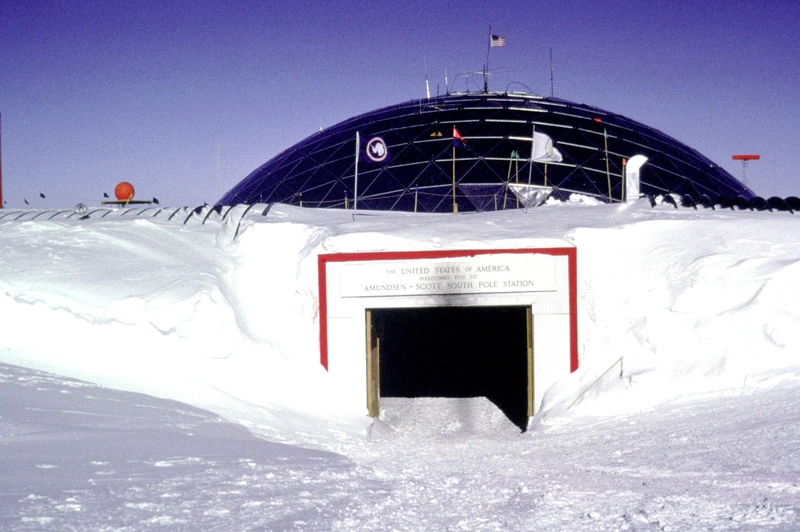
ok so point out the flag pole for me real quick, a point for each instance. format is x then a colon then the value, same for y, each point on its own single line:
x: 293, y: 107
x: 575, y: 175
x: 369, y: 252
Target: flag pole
x: 508, y: 178
x: 455, y: 205
x: 624, y: 184
x: 533, y: 148
x: 355, y: 185
x: 608, y: 174
x: 486, y: 68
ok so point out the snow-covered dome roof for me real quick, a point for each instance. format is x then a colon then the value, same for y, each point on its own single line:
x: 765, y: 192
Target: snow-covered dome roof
x: 411, y: 154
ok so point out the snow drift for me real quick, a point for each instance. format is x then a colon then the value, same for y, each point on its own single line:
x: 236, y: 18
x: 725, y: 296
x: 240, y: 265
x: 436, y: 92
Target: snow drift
x: 682, y: 414
x: 219, y: 308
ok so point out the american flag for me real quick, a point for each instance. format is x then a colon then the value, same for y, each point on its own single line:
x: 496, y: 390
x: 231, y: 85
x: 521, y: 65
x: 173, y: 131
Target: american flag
x: 496, y: 40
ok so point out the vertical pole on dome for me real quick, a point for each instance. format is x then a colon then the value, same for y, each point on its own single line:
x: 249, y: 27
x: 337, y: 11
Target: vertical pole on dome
x: 455, y: 205
x: 355, y: 184
x: 427, y: 85
x: 533, y: 149
x: 508, y: 178
x: 608, y: 173
x: 622, y: 195
x: 486, y: 67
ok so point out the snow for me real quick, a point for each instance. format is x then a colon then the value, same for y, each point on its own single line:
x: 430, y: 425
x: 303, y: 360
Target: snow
x: 159, y: 369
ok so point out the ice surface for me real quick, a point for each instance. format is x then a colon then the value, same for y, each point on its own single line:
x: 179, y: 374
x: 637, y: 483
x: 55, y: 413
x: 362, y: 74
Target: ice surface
x: 77, y: 456
x: 682, y: 415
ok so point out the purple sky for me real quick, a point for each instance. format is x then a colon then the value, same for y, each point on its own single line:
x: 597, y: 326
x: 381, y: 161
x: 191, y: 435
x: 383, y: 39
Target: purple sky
x: 93, y: 93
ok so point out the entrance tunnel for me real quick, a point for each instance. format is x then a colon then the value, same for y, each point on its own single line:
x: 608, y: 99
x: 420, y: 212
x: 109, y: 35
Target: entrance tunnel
x: 456, y: 352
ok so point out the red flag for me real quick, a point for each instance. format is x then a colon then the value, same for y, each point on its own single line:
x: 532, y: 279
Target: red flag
x: 457, y: 138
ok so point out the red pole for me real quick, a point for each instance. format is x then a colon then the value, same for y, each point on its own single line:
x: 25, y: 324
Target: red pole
x: 745, y: 158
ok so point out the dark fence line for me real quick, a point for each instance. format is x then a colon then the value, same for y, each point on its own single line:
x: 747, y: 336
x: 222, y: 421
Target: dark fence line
x: 204, y: 213
x: 740, y: 203
x: 184, y: 215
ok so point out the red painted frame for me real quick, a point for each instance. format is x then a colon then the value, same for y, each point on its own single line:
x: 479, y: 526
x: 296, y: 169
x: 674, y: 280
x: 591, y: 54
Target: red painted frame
x: 323, y: 260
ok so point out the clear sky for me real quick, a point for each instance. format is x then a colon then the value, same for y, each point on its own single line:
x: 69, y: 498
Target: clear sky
x: 93, y: 93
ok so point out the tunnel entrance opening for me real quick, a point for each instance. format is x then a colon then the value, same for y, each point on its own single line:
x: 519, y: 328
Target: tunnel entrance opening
x: 452, y: 352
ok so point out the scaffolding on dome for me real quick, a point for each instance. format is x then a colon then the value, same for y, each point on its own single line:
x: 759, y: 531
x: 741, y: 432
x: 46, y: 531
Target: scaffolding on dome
x: 419, y: 165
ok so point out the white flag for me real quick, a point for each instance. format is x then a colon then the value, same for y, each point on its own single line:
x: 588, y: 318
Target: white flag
x: 543, y: 150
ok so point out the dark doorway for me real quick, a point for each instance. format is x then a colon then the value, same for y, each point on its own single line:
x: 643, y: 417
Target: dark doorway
x: 456, y: 352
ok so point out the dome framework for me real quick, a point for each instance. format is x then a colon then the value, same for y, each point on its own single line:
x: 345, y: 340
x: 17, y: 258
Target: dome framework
x: 409, y: 159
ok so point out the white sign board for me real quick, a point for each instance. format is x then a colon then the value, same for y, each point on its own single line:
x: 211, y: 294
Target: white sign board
x: 490, y: 274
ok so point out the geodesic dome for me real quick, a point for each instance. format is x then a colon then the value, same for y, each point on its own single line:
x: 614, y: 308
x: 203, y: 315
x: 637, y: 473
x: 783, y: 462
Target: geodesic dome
x: 475, y: 150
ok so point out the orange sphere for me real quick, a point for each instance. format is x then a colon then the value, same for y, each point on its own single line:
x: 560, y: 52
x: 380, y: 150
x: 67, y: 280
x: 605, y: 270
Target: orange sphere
x: 124, y: 191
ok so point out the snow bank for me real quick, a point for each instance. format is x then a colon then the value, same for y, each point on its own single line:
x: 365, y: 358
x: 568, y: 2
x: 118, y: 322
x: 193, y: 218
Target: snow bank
x: 221, y: 311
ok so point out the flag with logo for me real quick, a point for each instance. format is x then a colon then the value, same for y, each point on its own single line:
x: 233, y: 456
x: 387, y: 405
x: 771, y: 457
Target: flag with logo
x: 375, y: 150
x: 543, y: 150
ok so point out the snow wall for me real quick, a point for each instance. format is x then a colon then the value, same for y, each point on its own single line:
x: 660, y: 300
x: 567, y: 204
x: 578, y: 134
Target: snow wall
x: 220, y: 309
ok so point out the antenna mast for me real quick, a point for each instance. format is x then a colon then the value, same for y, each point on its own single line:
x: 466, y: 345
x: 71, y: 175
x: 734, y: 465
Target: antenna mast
x: 427, y: 86
x: 551, y: 73
x: 486, y: 66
